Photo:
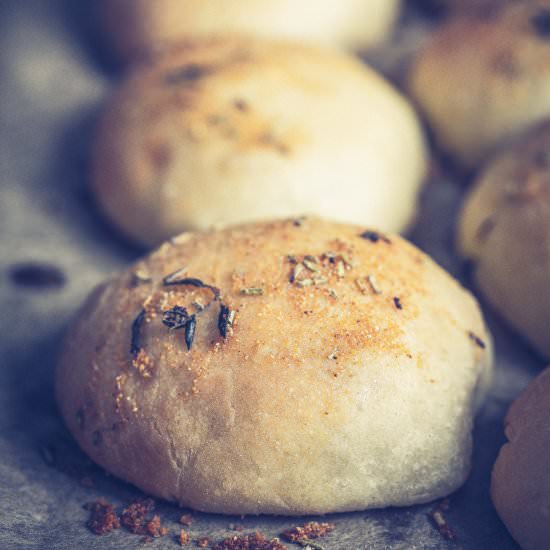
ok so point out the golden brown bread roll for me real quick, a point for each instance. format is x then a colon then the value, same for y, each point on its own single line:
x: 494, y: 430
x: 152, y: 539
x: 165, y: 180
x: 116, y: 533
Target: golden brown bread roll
x: 137, y: 27
x: 226, y: 131
x: 482, y: 81
x: 298, y: 367
x: 504, y: 229
x: 520, y: 485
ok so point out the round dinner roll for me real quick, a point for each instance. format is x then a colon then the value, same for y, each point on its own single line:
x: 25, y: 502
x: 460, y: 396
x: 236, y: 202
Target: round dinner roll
x: 139, y: 27
x: 481, y: 81
x: 520, y: 485
x: 226, y: 131
x: 504, y: 229
x: 292, y: 367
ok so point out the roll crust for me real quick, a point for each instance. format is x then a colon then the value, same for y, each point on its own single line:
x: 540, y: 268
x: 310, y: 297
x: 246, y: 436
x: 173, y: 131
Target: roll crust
x: 520, y: 485
x: 354, y: 390
x: 504, y: 230
x: 226, y: 131
x: 482, y: 81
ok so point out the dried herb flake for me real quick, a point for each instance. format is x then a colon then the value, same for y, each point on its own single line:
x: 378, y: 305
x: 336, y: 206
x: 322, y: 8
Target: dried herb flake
x: 135, y: 345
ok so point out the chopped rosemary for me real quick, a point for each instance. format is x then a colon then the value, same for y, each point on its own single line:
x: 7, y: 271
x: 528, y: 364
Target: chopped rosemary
x: 332, y: 293
x: 320, y: 280
x: 304, y: 282
x: 296, y: 272
x: 374, y: 284
x: 190, y: 328
x: 135, y: 345
x: 292, y: 259
x: 361, y: 285
x: 397, y: 302
x: 225, y: 320
x: 374, y: 237
x: 252, y: 291
x: 340, y: 269
x: 333, y: 354
x: 174, y: 278
x: 175, y: 318
x: 311, y: 263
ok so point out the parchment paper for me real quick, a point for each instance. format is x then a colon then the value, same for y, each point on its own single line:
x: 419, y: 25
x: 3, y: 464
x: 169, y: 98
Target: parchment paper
x: 53, y: 78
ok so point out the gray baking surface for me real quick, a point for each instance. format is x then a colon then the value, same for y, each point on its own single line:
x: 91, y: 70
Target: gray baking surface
x: 52, y: 84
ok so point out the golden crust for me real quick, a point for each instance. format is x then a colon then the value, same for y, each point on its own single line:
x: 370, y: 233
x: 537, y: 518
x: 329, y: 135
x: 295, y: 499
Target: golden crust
x: 520, y: 486
x: 499, y: 83
x: 504, y: 231
x: 230, y: 130
x: 299, y: 409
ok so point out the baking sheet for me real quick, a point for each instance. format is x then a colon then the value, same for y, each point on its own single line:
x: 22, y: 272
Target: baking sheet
x: 52, y: 81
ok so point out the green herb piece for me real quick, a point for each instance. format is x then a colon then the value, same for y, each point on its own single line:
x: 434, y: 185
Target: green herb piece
x: 332, y: 293
x: 135, y: 345
x: 360, y: 283
x: 311, y: 263
x: 225, y: 320
x: 190, y: 327
x: 320, y: 280
x: 374, y: 284
x: 296, y: 273
x: 304, y: 282
x: 175, y: 318
x: 340, y: 269
x: 252, y: 291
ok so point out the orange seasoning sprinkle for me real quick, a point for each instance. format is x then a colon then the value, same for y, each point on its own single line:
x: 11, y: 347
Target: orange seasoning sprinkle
x: 310, y: 530
x: 134, y: 516
x: 438, y: 518
x: 103, y: 518
x: 183, y: 538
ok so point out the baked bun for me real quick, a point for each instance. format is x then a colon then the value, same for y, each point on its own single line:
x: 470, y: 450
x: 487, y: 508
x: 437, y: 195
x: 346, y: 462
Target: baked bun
x: 505, y: 230
x: 482, y: 81
x: 225, y: 131
x: 520, y: 484
x: 138, y: 27
x: 330, y: 369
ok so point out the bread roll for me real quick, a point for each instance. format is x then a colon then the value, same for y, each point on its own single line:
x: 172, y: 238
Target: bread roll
x: 226, y: 131
x: 318, y: 368
x: 504, y: 229
x: 137, y: 27
x: 482, y: 81
x: 520, y: 485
